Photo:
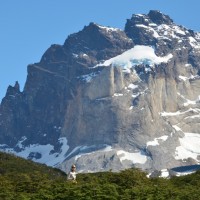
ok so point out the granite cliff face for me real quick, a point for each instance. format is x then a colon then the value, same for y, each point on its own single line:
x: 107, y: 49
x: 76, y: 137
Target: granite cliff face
x: 110, y: 99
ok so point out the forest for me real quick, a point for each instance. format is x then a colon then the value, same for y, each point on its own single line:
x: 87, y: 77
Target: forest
x: 22, y: 179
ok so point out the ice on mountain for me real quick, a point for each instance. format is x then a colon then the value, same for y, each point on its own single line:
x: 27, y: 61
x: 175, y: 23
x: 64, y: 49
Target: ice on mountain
x: 132, y: 86
x: 88, y: 77
x: 164, y: 173
x: 137, y: 157
x: 131, y: 108
x: 171, y: 31
x: 118, y: 95
x: 163, y: 27
x: 176, y: 128
x: 139, y: 15
x: 183, y: 78
x: 187, y: 101
x: 156, y: 141
x: 106, y: 148
x: 178, y: 30
x: 85, y: 55
x: 169, y: 114
x: 136, y: 56
x: 152, y: 24
x: 155, y: 34
x: 193, y: 116
x: 51, y: 159
x: 75, y: 55
x: 193, y: 42
x: 187, y: 65
x: 141, y: 25
x: 108, y: 29
x: 19, y: 144
x: 189, y: 147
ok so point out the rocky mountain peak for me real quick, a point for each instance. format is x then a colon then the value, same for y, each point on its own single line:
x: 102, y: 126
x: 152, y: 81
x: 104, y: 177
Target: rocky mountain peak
x: 110, y: 99
x: 159, y: 18
x: 97, y: 41
x: 154, y: 16
x: 158, y: 30
x: 13, y: 90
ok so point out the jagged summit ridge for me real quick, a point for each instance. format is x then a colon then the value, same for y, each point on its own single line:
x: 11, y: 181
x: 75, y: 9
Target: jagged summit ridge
x: 153, y: 17
x: 159, y: 18
x: 110, y: 99
x: 163, y: 33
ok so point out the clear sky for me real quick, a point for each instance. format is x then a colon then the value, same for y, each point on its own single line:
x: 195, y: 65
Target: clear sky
x: 28, y: 28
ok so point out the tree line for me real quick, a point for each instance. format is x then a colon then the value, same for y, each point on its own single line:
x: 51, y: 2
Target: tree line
x: 21, y: 179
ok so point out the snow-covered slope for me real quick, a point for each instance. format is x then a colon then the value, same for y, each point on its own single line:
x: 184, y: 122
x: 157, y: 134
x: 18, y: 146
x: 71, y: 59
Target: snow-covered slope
x: 139, y: 55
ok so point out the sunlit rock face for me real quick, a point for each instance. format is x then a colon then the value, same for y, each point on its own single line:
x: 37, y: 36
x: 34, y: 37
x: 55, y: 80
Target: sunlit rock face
x: 109, y: 99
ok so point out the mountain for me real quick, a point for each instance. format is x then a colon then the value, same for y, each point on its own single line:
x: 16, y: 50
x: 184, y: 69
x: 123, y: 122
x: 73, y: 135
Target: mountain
x: 110, y: 99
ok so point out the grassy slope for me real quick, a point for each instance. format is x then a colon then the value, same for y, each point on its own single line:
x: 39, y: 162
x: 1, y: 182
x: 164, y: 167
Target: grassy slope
x: 25, y: 180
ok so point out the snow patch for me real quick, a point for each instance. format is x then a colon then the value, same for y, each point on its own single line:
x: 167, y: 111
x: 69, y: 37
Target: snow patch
x: 152, y: 24
x: 88, y: 77
x: 178, y: 30
x: 166, y: 114
x: 184, y: 78
x: 19, y: 144
x: 150, y: 29
x: 132, y: 86
x: 193, y: 117
x: 107, y: 148
x: 75, y: 55
x: 188, y: 65
x: 176, y: 128
x: 138, y: 55
x: 134, y: 157
x: 189, y: 102
x: 118, y: 95
x: 171, y: 31
x: 193, y: 42
x: 46, y: 157
x: 189, y: 147
x: 131, y: 108
x: 155, y: 142
x: 108, y: 29
x: 164, y: 173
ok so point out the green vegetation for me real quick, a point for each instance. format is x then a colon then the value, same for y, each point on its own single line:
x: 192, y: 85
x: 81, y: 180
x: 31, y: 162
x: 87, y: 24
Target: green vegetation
x: 25, y: 180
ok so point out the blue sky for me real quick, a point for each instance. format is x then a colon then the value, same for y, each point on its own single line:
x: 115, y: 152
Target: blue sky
x: 29, y: 27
